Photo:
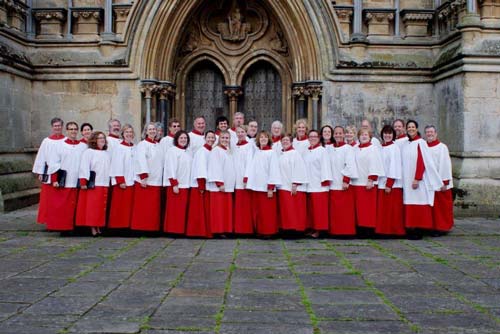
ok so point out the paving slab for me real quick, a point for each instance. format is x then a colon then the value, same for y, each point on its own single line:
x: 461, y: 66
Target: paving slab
x: 118, y: 284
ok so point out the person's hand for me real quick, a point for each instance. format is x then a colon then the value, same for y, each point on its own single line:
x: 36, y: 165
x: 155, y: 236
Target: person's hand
x: 144, y: 183
x: 414, y: 184
x: 388, y: 190
x: 83, y: 187
x: 123, y: 185
x: 55, y: 184
x: 294, y: 189
x: 176, y: 189
x: 444, y: 188
x: 40, y: 177
x: 244, y: 185
x: 369, y: 185
x: 201, y: 190
x: 269, y: 194
x: 345, y: 185
x: 222, y: 189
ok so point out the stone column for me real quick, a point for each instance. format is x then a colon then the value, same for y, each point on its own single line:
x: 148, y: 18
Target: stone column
x: 344, y: 14
x: 108, y: 21
x: 148, y: 87
x: 30, y: 28
x: 357, y: 28
x: 379, y: 21
x: 167, y: 92
x: 87, y: 20
x: 298, y: 92
x: 314, y: 89
x: 233, y: 92
x: 121, y: 12
x: 471, y: 6
x: 50, y: 21
x: 416, y: 22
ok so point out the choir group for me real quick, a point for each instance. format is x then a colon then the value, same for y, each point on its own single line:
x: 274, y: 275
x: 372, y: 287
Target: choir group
x: 335, y: 181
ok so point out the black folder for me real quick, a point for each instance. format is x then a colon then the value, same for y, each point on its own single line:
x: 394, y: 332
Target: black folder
x: 91, y: 183
x: 61, y: 177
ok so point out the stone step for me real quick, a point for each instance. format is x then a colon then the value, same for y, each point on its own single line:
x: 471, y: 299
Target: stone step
x: 19, y: 199
x: 11, y: 183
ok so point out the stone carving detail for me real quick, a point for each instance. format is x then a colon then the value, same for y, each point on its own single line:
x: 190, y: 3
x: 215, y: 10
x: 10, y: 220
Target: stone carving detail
x: 192, y: 40
x: 87, y: 22
x: 416, y: 22
x: 121, y: 12
x: 278, y: 42
x: 379, y: 21
x: 235, y: 29
x: 344, y: 14
x: 51, y: 22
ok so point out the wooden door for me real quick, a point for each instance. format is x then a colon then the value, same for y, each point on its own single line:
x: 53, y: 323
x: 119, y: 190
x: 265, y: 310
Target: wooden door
x: 205, y: 95
x: 262, y: 95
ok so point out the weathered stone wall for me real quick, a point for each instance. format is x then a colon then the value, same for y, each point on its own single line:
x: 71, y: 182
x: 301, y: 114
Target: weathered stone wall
x: 85, y: 101
x: 348, y: 103
x: 15, y: 113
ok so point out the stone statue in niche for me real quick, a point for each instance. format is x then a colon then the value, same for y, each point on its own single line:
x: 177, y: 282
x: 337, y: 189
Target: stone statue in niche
x: 192, y: 41
x: 235, y: 29
x: 278, y: 42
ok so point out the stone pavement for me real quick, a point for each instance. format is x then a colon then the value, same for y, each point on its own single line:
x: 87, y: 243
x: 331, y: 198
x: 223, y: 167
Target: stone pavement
x: 53, y: 284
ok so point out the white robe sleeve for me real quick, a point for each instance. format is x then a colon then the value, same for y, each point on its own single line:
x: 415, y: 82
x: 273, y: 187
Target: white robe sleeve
x: 326, y: 169
x: 394, y: 170
x: 216, y: 166
x: 299, y: 173
x: 84, y: 172
x: 141, y: 162
x: 432, y: 179
x: 376, y: 165
x: 274, y: 171
x: 350, y: 169
x: 445, y: 164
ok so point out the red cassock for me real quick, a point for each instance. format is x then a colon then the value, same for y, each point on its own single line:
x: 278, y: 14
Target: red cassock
x: 176, y: 211
x: 266, y: 213
x: 146, y: 208
x: 122, y: 172
x: 120, y: 212
x: 366, y: 206
x: 198, y: 224
x: 317, y: 210
x: 61, y: 215
x: 221, y: 212
x: 292, y: 208
x: 342, y: 212
x: 370, y: 167
x: 92, y: 203
x: 318, y: 187
x: 243, y: 212
x: 442, y: 211
x: 91, y: 207
x: 43, y: 206
x: 221, y: 173
x: 390, y: 219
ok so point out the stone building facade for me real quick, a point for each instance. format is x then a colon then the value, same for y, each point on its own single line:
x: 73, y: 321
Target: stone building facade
x: 333, y: 62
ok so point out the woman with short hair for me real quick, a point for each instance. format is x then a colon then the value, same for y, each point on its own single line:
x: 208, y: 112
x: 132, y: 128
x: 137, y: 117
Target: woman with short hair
x: 390, y: 187
x: 318, y: 187
x: 122, y: 180
x: 370, y: 168
x: 221, y: 182
x: 343, y: 164
x: 148, y: 172
x: 292, y: 196
x: 94, y: 184
x: 198, y: 224
x: 262, y: 177
x: 177, y: 179
x: 300, y: 142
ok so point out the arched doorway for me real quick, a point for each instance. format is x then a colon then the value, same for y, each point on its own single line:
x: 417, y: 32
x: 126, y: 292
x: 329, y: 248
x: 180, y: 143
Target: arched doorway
x: 204, y: 94
x: 262, y: 94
